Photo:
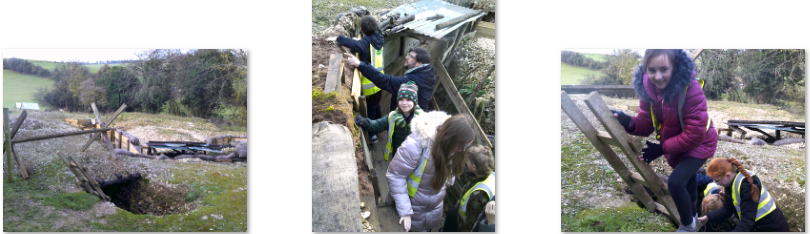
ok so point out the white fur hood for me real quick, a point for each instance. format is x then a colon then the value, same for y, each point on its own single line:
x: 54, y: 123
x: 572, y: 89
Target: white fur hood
x: 425, y: 126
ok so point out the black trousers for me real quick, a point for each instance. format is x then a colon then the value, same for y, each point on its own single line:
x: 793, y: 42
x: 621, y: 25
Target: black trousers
x: 373, y: 105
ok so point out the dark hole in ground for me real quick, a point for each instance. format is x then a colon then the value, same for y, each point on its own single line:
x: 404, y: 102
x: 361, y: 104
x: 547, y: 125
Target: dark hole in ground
x: 144, y: 197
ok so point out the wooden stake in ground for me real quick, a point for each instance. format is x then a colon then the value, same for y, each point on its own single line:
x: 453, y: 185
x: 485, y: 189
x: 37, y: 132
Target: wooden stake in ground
x: 19, y: 122
x: 86, y: 181
x: 20, y: 164
x: 106, y: 138
x: 7, y: 146
x: 109, y: 122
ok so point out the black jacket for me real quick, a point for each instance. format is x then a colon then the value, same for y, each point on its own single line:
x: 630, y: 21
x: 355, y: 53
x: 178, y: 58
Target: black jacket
x: 377, y: 40
x: 773, y: 222
x: 424, y: 77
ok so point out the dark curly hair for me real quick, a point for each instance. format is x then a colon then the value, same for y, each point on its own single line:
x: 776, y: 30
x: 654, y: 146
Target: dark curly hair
x: 368, y: 25
x: 681, y: 73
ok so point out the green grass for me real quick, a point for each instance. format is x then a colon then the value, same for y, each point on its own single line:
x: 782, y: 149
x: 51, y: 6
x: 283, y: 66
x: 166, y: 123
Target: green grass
x: 630, y: 218
x: 597, y: 57
x: 19, y: 87
x: 73, y: 201
x: 50, y: 65
x: 572, y: 75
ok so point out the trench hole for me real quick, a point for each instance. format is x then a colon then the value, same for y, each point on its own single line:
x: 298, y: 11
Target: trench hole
x: 142, y: 196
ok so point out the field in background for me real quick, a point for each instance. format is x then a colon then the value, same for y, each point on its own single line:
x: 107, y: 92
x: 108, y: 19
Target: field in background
x: 572, y: 75
x: 597, y: 57
x: 51, y: 65
x: 21, y: 88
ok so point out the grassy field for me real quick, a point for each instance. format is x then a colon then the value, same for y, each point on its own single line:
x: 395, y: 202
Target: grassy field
x: 572, y: 75
x: 93, y: 68
x: 21, y: 88
x: 597, y: 57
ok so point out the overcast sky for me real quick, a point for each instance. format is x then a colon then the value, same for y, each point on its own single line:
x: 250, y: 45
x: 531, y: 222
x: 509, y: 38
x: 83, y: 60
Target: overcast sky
x: 83, y: 55
x: 603, y: 51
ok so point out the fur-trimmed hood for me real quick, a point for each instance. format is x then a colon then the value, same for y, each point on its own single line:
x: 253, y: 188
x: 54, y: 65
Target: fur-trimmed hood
x: 682, y: 75
x: 425, y: 126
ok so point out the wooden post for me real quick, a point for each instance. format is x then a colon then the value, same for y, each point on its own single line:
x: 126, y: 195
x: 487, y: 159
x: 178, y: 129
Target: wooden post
x: 591, y: 133
x: 18, y: 123
x: 612, y: 126
x: 480, y: 84
x: 85, y: 179
x: 458, y: 101
x: 7, y: 146
x: 120, y: 137
x: 109, y: 122
x: 20, y: 164
x: 106, y: 139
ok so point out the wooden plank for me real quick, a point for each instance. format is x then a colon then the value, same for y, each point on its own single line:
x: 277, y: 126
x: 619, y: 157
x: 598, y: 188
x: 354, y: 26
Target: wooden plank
x: 392, y: 52
x: 480, y: 84
x: 485, y: 29
x: 737, y: 121
x: 769, y: 138
x: 19, y: 122
x: 120, y: 135
x: 742, y: 132
x: 334, y: 73
x: 458, y: 101
x: 607, y: 139
x: 82, y: 181
x: 387, y: 216
x: 613, y: 159
x: 602, y: 112
x: 696, y: 53
x: 98, y: 125
x: 7, y: 147
x: 105, y: 138
x: 20, y: 164
x: 60, y: 135
x: 584, y: 89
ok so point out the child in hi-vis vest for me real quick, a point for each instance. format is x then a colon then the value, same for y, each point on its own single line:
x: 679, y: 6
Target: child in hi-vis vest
x: 397, y: 122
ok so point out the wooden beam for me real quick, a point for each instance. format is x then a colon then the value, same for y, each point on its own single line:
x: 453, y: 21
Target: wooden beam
x: 105, y: 138
x: 775, y: 122
x: 696, y: 53
x: 334, y: 73
x: 612, y: 126
x: 485, y: 29
x: 613, y: 159
x: 458, y: 101
x: 7, y: 147
x: 60, y: 135
x: 20, y: 163
x: 109, y: 123
x: 584, y: 89
x: 480, y: 84
x: 19, y: 122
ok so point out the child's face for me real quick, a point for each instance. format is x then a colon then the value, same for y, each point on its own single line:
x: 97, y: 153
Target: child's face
x: 659, y: 70
x: 405, y: 104
x: 724, y: 180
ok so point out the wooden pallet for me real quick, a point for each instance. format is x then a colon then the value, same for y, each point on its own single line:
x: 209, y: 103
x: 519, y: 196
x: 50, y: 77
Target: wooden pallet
x: 617, y: 136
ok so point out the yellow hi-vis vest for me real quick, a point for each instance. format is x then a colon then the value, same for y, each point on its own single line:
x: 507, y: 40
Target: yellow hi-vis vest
x: 416, y: 176
x: 368, y: 87
x: 712, y: 188
x: 488, y: 186
x: 388, y: 146
x: 766, y: 204
x: 681, y: 100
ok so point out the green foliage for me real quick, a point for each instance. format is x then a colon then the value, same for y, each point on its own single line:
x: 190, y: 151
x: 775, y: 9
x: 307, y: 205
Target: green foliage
x: 580, y: 60
x: 25, y: 67
x: 330, y: 108
x: 620, y: 67
x: 630, y: 218
x: 774, y: 74
x: 74, y: 201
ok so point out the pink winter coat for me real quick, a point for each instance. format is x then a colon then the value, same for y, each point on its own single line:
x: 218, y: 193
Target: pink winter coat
x: 695, y: 141
x: 425, y: 208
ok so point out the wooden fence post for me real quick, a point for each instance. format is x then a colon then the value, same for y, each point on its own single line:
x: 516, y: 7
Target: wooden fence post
x: 7, y: 146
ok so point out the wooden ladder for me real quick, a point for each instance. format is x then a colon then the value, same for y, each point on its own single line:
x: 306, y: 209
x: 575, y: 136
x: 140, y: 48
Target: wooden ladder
x: 630, y: 146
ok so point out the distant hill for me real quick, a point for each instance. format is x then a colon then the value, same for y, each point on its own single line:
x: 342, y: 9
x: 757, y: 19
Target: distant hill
x: 50, y: 65
x: 19, y: 87
x: 572, y: 75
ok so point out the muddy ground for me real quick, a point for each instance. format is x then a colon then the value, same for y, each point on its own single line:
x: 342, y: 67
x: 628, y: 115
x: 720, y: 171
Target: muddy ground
x: 589, y: 182
x: 170, y: 190
x: 336, y: 107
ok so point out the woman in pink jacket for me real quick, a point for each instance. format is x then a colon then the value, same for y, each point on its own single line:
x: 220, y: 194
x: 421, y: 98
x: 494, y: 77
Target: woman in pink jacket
x: 426, y: 163
x: 660, y: 80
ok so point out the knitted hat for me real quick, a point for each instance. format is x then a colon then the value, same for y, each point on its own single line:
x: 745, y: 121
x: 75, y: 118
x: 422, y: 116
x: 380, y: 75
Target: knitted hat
x: 408, y: 90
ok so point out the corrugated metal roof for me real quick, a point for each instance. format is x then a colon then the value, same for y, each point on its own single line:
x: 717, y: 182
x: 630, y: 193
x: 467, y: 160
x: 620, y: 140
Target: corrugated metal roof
x: 427, y: 8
